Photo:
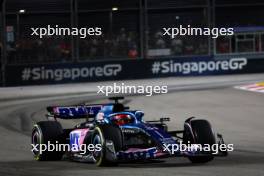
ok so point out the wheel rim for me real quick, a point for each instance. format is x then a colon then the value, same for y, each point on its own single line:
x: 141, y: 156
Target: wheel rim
x: 35, y: 141
x: 97, y: 140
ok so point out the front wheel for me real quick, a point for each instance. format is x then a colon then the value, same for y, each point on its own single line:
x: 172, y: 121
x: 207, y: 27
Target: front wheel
x: 199, y: 132
x: 103, y: 135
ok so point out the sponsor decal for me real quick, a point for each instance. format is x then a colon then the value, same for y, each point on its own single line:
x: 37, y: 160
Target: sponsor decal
x: 38, y: 74
x: 185, y: 68
x: 58, y: 74
x: 135, y: 154
x: 77, y: 111
x: 130, y: 130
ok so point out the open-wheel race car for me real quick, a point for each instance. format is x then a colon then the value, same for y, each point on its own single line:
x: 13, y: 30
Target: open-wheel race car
x: 121, y: 135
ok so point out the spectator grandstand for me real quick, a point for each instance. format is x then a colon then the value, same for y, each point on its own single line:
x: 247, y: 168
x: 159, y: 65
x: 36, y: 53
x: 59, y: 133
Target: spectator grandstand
x: 132, y: 29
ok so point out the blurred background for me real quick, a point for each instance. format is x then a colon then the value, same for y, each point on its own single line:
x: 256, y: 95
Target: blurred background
x: 131, y: 30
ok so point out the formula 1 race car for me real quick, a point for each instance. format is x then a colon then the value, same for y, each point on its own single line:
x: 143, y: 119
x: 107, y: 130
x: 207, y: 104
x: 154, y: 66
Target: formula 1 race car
x: 121, y: 135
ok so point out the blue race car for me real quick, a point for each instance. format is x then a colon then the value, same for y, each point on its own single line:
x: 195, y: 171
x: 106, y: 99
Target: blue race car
x: 115, y: 134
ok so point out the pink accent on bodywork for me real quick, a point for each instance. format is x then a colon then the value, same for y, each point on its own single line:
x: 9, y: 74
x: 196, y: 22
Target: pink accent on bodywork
x: 82, y: 133
x: 136, y: 150
x: 158, y: 153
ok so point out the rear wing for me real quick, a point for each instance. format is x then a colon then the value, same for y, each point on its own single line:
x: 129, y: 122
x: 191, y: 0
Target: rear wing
x: 74, y: 112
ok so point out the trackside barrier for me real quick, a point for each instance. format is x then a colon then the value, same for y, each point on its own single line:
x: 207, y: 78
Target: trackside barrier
x: 128, y: 69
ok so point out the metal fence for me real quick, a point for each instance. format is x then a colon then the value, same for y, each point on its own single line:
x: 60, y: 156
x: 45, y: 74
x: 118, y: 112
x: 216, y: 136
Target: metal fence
x: 131, y: 29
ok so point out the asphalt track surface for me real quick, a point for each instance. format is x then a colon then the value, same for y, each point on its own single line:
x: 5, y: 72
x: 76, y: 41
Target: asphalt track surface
x: 237, y: 114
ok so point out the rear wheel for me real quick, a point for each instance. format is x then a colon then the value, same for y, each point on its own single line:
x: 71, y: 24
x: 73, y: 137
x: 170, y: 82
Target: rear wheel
x: 199, y: 132
x: 43, y: 133
x: 103, y: 134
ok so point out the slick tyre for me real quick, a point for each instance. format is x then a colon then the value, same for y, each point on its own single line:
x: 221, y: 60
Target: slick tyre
x: 200, y: 133
x: 45, y: 132
x: 102, y: 134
